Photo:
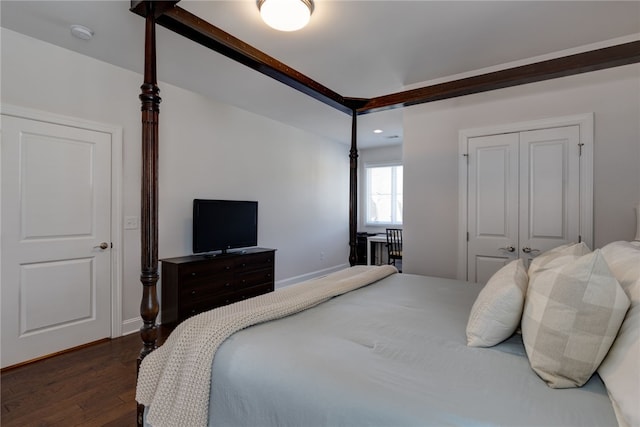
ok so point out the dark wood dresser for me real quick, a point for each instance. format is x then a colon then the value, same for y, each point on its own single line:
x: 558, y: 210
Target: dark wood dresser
x: 196, y: 283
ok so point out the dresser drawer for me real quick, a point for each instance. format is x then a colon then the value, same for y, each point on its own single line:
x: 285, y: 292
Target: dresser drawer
x: 217, y: 283
x: 199, y: 290
x: 253, y: 278
x: 255, y: 291
x: 224, y: 283
x: 257, y: 262
x: 209, y: 302
x: 203, y: 271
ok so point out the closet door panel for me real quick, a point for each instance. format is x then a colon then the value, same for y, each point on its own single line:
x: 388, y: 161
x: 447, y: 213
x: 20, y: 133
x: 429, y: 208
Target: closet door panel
x: 493, y: 204
x: 549, y: 189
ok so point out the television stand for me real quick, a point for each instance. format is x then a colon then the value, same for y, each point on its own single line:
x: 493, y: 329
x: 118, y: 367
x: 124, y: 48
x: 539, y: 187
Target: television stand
x: 196, y: 283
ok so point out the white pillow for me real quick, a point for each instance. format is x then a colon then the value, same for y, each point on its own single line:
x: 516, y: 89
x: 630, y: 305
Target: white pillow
x: 571, y: 316
x: 620, y: 370
x: 557, y: 256
x: 496, y: 313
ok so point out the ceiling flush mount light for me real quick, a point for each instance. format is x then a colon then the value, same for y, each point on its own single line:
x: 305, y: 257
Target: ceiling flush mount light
x: 377, y: 131
x: 81, y: 32
x: 286, y: 15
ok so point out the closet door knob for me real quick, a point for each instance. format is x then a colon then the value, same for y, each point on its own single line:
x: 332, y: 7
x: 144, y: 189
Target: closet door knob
x: 528, y: 250
x: 508, y: 249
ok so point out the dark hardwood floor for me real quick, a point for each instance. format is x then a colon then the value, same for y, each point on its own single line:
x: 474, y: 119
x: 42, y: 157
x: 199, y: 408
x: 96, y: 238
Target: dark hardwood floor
x: 91, y: 386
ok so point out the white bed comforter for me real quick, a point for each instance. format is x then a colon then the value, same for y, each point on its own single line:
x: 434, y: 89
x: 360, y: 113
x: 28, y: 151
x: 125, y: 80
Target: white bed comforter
x: 392, y: 354
x: 174, y: 381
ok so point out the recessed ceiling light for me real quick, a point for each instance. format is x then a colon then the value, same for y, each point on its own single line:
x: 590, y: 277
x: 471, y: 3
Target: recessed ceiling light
x: 81, y: 32
x: 377, y: 131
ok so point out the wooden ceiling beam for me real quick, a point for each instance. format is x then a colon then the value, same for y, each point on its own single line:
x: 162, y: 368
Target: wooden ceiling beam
x: 614, y: 56
x: 200, y: 31
x: 159, y: 7
x: 182, y: 22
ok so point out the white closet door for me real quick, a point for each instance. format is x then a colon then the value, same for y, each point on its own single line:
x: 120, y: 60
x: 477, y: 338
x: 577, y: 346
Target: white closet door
x: 523, y: 196
x: 549, y: 189
x: 56, y: 213
x: 492, y: 204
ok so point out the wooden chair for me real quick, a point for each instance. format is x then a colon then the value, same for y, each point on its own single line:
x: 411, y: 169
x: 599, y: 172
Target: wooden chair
x: 394, y: 245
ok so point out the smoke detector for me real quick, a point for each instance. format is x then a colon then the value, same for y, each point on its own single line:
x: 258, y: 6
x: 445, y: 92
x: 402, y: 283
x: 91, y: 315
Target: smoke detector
x: 81, y: 32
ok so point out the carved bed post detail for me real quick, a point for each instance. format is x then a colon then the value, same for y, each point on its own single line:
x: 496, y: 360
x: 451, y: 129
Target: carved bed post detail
x: 150, y: 109
x: 353, y: 189
x: 149, y: 210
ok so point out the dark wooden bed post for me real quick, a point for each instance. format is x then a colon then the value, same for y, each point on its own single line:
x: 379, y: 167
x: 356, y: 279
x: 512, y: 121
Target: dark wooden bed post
x: 149, y: 210
x: 150, y: 108
x: 353, y: 189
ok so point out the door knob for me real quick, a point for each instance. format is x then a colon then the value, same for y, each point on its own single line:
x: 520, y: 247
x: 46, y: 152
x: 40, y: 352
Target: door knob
x: 528, y: 250
x: 508, y: 248
x: 103, y: 245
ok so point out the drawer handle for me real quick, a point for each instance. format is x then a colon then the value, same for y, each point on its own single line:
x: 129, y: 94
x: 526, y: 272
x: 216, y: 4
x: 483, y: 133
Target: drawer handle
x: 227, y: 268
x: 244, y: 265
x: 193, y: 292
x: 193, y: 274
x: 227, y: 284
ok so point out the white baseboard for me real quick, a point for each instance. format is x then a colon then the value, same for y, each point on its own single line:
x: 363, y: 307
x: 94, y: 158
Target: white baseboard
x: 308, y: 276
x: 131, y: 326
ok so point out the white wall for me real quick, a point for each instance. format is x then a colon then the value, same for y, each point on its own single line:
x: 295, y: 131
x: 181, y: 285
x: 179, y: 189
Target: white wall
x: 207, y: 149
x: 431, y: 156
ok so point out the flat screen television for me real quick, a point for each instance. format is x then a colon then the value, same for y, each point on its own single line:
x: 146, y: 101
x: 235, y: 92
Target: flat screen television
x: 219, y: 225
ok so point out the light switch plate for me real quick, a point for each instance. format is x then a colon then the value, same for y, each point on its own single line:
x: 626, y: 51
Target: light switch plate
x: 130, y: 222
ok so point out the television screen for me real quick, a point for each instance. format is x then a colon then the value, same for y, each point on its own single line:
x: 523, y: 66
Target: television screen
x: 224, y: 224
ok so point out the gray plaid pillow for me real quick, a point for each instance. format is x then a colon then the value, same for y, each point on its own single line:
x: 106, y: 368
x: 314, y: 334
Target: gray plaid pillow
x: 557, y: 256
x: 571, y: 317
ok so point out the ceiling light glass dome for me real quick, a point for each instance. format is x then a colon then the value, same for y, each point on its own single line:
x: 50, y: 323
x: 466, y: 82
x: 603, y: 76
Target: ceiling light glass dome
x: 286, y: 15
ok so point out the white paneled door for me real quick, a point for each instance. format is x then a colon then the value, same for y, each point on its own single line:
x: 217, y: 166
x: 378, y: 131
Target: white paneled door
x: 523, y: 196
x: 492, y: 204
x: 56, y: 245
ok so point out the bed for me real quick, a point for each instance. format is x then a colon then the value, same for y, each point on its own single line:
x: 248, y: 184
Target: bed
x: 391, y: 354
x: 370, y: 346
x: 484, y: 390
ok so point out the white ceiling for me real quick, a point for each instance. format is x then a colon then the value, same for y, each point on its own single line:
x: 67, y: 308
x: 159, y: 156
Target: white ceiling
x: 356, y: 48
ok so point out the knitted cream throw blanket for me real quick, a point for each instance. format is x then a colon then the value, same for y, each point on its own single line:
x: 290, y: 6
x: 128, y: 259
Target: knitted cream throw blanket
x: 174, y: 380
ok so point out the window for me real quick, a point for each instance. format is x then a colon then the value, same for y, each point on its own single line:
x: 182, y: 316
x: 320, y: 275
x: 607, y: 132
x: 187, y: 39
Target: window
x: 384, y: 195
